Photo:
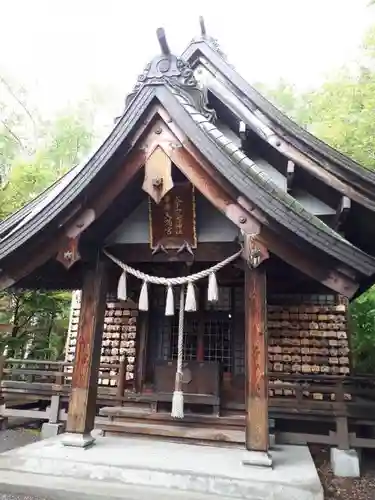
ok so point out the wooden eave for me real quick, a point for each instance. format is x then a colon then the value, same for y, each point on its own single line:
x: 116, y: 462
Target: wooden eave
x: 255, y: 193
x: 64, y: 205
x: 329, y: 159
x: 257, y: 187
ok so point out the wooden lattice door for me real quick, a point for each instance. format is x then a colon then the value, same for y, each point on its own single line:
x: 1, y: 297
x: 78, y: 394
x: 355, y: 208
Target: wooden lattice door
x: 214, y: 333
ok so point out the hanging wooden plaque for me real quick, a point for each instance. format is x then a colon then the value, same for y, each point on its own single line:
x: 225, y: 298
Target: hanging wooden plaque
x: 172, y: 221
x: 69, y: 254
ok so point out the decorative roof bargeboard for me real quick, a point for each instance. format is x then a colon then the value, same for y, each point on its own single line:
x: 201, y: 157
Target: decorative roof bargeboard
x: 168, y: 69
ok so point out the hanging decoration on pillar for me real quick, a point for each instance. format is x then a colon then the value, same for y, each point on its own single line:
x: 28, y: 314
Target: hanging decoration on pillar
x: 187, y: 304
x: 254, y: 254
x: 68, y: 253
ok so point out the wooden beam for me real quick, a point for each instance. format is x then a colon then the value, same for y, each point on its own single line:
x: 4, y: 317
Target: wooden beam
x: 289, y: 175
x: 340, y: 280
x: 82, y: 405
x: 257, y: 438
x: 342, y: 212
x: 310, y: 265
x: 205, y: 252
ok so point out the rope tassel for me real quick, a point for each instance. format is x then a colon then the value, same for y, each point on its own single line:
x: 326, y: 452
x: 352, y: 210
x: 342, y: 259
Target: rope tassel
x: 178, y: 395
x: 177, y: 404
x: 143, y: 298
x: 213, y: 291
x: 121, y: 287
x: 191, y: 303
x: 169, y: 305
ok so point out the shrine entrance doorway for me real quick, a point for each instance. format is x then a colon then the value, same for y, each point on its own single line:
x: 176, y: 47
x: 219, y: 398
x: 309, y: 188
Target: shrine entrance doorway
x: 213, y: 348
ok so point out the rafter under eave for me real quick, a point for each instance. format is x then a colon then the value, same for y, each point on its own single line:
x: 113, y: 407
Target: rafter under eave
x: 203, y: 54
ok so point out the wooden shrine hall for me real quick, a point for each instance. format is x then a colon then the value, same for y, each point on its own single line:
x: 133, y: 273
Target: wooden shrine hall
x: 214, y: 241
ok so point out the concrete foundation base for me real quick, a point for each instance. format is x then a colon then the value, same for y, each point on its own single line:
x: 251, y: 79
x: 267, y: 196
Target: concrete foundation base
x: 51, y: 430
x: 345, y: 463
x: 132, y: 468
x: 77, y: 440
x: 258, y: 459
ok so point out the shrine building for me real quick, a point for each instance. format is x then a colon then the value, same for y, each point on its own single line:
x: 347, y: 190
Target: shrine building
x: 215, y: 245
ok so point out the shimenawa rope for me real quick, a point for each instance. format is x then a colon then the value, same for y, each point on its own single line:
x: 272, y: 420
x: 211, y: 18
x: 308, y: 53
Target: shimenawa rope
x: 185, y: 305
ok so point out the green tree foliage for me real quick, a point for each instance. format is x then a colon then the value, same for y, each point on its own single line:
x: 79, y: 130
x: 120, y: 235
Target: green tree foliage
x: 66, y: 140
x: 341, y: 112
x: 17, y: 124
x: 38, y: 323
x: 363, y: 332
x: 29, y: 163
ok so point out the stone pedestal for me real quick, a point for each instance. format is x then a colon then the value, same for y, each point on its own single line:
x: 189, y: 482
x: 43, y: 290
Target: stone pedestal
x: 51, y: 430
x: 345, y: 463
x: 77, y: 440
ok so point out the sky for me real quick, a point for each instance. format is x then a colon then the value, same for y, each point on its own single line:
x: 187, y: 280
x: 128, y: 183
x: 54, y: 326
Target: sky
x: 60, y: 49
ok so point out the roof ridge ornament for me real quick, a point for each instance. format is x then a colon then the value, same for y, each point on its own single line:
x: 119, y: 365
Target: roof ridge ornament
x: 210, y: 40
x: 160, y: 33
x: 203, y: 26
x: 168, y: 69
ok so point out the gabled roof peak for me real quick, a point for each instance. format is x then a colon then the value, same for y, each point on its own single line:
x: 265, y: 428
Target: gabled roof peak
x: 168, y: 69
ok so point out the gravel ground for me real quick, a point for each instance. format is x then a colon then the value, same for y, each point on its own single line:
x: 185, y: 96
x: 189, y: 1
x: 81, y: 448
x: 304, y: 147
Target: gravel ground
x: 362, y: 488
x: 14, y: 438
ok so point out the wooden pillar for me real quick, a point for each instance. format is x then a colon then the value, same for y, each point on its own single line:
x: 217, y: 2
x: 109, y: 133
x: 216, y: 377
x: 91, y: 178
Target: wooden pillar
x: 142, y: 351
x: 82, y: 405
x: 257, y: 434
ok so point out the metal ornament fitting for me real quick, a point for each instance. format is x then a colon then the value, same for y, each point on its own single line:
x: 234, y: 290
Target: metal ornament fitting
x: 254, y: 254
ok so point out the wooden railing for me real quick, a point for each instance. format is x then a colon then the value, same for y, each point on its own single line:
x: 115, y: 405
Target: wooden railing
x: 338, y: 411
x: 349, y: 402
x: 47, y: 384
